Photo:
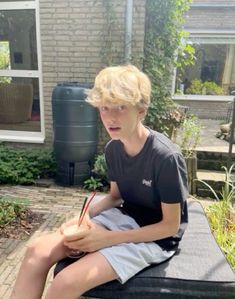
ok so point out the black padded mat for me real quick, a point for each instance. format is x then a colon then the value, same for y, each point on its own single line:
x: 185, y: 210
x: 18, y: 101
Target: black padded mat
x: 198, y: 270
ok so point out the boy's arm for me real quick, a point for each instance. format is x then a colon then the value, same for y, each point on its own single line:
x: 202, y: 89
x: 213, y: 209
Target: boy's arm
x: 111, y: 200
x: 98, y: 237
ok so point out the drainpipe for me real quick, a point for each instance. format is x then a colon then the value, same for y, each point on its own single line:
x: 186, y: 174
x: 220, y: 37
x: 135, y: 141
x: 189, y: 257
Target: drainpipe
x: 128, y: 31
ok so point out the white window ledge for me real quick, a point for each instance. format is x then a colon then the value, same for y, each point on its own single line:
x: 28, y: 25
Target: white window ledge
x: 19, y: 136
x: 204, y: 98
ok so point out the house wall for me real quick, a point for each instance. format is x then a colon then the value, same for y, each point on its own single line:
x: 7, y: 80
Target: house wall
x: 210, y: 17
x: 73, y: 40
x: 214, y: 17
x: 208, y: 109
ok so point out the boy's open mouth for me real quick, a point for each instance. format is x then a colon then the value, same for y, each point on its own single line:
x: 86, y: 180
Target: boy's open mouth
x: 114, y: 129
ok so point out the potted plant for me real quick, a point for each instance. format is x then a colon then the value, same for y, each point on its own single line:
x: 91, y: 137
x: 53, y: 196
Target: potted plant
x: 189, y: 139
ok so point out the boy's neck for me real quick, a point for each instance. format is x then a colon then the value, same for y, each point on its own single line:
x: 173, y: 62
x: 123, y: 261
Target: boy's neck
x: 135, y: 144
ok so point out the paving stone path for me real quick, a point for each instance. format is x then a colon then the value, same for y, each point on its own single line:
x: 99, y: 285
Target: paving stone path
x: 54, y: 202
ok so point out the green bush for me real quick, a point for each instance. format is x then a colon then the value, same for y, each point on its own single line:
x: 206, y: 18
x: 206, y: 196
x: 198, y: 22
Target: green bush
x: 20, y: 166
x: 11, y: 208
x: 191, y: 135
x: 99, y: 179
x: 195, y: 87
x: 212, y: 88
x: 207, y: 87
x: 100, y: 167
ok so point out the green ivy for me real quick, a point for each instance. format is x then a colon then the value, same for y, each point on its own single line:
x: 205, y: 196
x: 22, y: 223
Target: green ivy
x: 110, y: 49
x: 163, y: 37
x: 20, y: 166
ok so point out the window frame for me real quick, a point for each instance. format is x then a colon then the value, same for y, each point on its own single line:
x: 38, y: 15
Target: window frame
x: 206, y: 37
x: 26, y: 136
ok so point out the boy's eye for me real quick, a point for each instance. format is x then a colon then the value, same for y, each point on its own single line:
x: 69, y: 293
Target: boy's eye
x: 104, y: 108
x: 118, y: 108
x: 121, y: 107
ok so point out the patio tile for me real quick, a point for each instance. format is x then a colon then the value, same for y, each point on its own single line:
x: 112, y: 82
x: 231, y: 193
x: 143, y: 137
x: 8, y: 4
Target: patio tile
x: 41, y: 199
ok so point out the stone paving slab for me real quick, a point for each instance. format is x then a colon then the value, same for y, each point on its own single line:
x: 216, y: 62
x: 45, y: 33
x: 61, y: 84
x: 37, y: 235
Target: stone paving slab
x: 55, y: 202
x: 216, y: 176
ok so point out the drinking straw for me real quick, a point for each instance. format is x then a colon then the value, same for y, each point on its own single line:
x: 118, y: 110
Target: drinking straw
x: 85, y: 207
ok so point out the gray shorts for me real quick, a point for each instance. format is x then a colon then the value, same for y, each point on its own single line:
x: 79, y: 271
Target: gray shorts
x: 127, y: 259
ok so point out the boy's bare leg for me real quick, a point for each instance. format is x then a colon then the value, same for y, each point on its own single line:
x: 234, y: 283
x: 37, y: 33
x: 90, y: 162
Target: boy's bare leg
x: 88, y: 272
x: 40, y: 256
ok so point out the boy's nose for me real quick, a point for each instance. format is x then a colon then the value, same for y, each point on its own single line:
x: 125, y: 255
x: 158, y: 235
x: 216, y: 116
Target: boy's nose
x: 113, y: 113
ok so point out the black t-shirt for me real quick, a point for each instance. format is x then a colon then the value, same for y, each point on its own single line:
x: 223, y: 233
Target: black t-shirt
x: 156, y: 174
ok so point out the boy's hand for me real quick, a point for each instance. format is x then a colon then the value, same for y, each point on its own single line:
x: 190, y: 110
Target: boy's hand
x: 89, y: 238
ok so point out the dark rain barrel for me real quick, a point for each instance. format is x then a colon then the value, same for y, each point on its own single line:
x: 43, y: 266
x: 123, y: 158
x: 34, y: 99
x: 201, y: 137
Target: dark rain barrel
x: 75, y: 132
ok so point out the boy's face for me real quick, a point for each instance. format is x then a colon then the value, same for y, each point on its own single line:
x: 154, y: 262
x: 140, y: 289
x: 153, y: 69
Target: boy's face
x: 120, y: 120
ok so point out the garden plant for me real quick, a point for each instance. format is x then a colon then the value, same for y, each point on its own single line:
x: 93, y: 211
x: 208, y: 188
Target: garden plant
x: 11, y: 208
x: 221, y: 216
x: 21, y: 166
x: 99, y: 179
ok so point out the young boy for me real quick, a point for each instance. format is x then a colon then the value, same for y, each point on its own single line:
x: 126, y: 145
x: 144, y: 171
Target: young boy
x: 142, y: 219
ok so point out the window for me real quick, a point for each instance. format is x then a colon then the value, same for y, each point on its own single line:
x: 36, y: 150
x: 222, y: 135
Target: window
x: 21, y: 110
x: 214, y: 70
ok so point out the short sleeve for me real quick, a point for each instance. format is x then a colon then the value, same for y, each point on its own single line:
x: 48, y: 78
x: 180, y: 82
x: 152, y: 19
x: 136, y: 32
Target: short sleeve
x: 172, y: 180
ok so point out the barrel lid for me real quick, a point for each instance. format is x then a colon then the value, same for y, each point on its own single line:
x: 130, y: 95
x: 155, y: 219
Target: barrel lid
x: 74, y: 84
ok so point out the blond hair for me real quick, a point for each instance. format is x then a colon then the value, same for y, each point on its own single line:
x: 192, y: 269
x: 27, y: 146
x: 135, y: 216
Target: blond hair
x: 120, y: 84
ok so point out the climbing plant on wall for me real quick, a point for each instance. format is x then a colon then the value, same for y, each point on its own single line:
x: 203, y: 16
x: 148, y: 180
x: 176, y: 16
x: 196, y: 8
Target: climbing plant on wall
x: 163, y: 36
x: 111, y: 50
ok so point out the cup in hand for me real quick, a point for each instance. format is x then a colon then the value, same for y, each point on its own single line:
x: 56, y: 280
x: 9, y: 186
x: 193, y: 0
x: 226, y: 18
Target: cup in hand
x: 70, y: 230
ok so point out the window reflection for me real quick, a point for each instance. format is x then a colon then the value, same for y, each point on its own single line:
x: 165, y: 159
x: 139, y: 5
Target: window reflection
x: 4, y: 56
x: 18, y: 32
x: 213, y: 72
x: 19, y: 104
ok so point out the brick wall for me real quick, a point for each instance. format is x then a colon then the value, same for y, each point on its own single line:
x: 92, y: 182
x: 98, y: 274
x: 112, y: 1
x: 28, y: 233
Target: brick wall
x: 208, y: 109
x: 214, y: 2
x: 73, y: 39
x: 210, y: 18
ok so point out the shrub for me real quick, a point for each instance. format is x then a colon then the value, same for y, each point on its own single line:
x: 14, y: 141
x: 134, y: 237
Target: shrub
x: 195, y: 87
x: 11, y: 208
x: 99, y: 180
x: 191, y: 134
x: 100, y: 167
x: 220, y: 218
x: 212, y: 88
x: 207, y: 87
x: 20, y: 166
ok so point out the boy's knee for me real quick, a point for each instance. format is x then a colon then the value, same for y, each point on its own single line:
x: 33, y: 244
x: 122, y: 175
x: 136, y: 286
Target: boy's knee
x: 37, y: 252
